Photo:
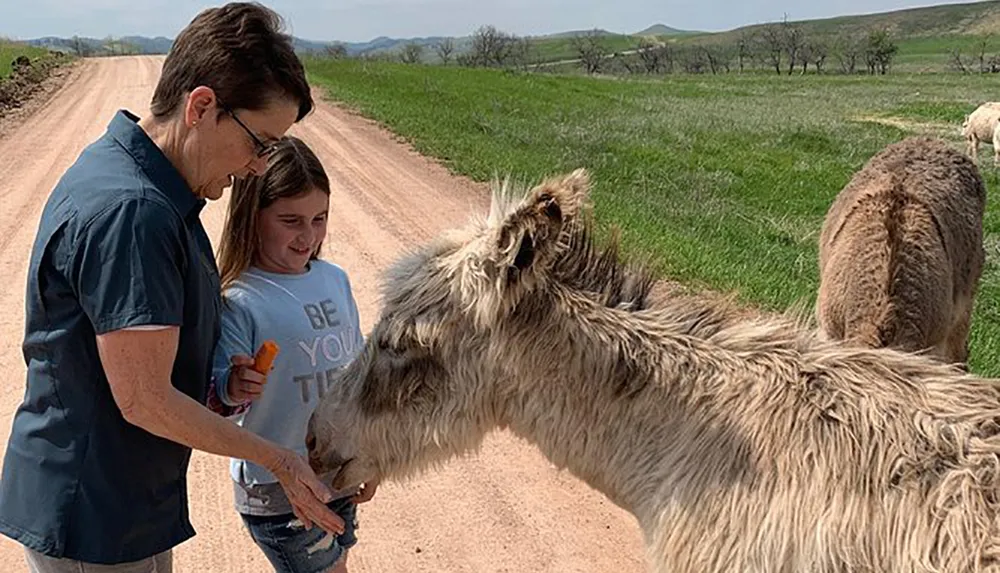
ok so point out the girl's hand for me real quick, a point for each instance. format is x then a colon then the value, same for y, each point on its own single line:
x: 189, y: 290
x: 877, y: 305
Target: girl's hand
x: 245, y: 383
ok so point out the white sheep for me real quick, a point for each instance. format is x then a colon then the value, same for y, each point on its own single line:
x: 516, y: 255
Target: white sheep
x: 996, y: 143
x: 979, y: 126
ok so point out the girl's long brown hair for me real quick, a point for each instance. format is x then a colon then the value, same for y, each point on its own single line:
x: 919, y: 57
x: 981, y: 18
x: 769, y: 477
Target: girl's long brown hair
x: 292, y: 169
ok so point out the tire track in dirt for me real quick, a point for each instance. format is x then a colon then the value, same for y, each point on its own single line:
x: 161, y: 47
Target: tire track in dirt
x: 506, y: 509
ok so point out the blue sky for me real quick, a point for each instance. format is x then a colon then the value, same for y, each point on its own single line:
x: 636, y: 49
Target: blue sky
x: 362, y: 20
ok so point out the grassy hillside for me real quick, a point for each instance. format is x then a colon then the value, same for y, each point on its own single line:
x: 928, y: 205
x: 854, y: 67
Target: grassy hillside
x: 9, y: 51
x: 946, y: 20
x: 724, y: 179
x: 926, y: 37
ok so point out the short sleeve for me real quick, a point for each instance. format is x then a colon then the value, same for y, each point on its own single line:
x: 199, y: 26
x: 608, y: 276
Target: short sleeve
x: 128, y: 266
x: 236, y: 337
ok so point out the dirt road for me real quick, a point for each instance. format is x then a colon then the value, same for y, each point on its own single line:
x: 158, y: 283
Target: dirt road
x: 505, y: 510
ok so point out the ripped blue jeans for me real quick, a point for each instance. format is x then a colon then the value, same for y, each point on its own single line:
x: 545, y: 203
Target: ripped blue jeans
x: 291, y: 548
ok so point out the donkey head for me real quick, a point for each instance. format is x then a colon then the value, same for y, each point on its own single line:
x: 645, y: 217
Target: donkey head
x: 425, y: 387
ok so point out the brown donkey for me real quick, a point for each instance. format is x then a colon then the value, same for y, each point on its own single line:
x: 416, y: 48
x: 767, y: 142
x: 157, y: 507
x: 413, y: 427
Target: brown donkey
x: 901, y: 252
x: 739, y: 445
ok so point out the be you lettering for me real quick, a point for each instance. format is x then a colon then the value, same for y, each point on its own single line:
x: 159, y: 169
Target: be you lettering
x: 327, y: 352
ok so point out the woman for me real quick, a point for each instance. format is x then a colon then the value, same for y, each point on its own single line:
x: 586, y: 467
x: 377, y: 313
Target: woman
x: 123, y: 311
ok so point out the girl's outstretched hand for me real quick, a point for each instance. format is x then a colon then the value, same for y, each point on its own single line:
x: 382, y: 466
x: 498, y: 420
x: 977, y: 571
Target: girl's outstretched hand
x: 245, y: 383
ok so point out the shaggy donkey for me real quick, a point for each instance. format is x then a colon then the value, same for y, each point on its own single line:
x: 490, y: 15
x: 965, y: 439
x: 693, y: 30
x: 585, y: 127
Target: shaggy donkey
x: 739, y: 445
x: 901, y: 251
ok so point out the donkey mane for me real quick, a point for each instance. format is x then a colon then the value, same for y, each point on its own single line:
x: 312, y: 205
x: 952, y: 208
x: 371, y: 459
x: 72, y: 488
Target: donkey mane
x: 602, y: 274
x: 600, y: 271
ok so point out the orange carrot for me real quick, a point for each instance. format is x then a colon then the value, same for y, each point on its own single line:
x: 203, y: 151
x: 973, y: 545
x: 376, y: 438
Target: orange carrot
x: 266, y: 354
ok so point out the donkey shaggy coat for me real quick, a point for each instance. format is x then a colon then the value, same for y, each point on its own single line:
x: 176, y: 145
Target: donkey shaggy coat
x: 740, y: 445
x: 901, y: 251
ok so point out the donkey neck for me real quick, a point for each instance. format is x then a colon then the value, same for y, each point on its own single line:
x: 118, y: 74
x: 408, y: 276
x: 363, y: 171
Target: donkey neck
x: 620, y: 399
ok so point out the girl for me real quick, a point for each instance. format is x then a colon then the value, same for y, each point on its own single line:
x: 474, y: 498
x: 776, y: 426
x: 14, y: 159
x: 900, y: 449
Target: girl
x: 276, y: 287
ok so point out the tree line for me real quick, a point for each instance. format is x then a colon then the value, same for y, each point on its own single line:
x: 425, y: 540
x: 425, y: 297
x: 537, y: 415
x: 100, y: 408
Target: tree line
x: 783, y: 47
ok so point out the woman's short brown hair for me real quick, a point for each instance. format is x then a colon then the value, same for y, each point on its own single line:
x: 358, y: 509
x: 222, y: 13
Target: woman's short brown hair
x: 238, y: 50
x: 292, y: 169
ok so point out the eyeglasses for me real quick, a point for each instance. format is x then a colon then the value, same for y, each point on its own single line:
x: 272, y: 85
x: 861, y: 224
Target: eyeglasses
x: 263, y: 150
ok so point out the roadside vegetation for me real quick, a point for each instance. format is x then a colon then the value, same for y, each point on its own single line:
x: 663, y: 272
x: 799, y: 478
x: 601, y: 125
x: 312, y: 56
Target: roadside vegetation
x: 22, y: 70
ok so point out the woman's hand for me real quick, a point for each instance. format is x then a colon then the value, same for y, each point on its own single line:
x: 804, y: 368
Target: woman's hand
x: 307, y: 494
x: 138, y: 366
x: 245, y: 383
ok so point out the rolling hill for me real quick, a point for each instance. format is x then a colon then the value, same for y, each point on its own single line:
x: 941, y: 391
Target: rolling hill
x: 941, y: 21
x: 663, y: 30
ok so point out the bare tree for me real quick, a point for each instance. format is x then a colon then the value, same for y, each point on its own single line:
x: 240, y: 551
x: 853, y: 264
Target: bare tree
x: 772, y: 45
x: 693, y: 59
x: 655, y: 57
x: 818, y: 52
x: 336, y: 50
x: 880, y: 50
x: 983, y: 46
x: 444, y: 49
x: 793, y: 40
x: 848, y: 49
x: 718, y: 57
x: 745, y: 47
x: 956, y: 62
x: 411, y: 53
x: 591, y: 49
x: 490, y: 47
x: 805, y: 57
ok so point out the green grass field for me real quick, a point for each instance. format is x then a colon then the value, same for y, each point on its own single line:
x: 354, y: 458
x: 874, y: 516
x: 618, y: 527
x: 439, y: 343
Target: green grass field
x: 723, y: 179
x: 11, y: 50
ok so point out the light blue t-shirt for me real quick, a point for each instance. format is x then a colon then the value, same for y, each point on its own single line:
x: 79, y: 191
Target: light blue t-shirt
x: 314, y: 319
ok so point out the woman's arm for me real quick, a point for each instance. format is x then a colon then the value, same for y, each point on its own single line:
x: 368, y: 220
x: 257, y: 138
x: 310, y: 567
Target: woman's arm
x: 127, y: 265
x: 138, y: 366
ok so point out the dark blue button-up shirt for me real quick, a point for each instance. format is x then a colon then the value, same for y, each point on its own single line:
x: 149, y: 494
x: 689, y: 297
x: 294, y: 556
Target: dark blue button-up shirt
x: 119, y: 244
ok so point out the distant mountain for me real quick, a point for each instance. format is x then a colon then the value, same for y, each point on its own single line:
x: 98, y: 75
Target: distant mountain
x: 385, y: 44
x: 161, y: 45
x: 574, y: 33
x: 157, y: 45
x: 663, y: 30
x: 105, y: 46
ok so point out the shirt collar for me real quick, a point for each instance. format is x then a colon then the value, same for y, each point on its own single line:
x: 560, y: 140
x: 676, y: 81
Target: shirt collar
x: 124, y: 128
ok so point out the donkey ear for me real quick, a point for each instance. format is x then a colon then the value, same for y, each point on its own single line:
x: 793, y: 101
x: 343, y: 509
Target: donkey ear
x: 532, y: 231
x: 525, y: 253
